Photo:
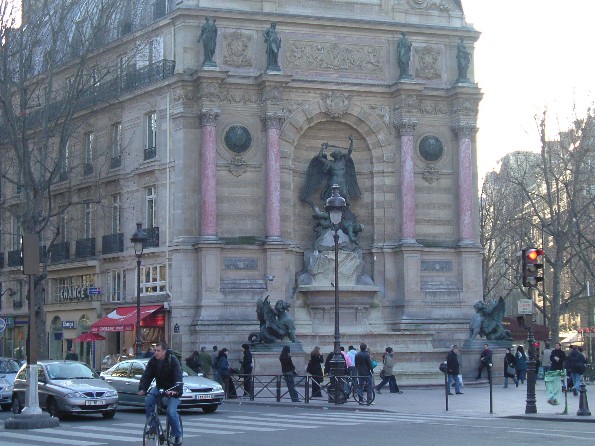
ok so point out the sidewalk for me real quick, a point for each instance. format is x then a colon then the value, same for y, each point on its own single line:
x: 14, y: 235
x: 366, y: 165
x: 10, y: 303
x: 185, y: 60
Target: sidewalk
x: 475, y: 402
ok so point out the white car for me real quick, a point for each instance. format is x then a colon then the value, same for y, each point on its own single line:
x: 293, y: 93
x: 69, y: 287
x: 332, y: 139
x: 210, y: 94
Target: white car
x: 199, y: 392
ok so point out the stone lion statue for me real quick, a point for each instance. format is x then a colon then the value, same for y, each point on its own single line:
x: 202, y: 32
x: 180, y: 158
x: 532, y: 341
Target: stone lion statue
x: 487, y: 321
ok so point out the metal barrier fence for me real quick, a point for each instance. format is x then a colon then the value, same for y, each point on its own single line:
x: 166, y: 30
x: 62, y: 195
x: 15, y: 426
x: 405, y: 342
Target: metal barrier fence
x: 274, y: 387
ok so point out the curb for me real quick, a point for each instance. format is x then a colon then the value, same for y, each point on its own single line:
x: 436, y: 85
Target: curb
x: 559, y: 417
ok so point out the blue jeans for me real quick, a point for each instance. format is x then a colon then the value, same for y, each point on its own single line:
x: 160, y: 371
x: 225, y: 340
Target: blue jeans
x: 291, y: 386
x: 172, y: 410
x: 576, y: 381
x: 362, y: 380
x: 456, y: 381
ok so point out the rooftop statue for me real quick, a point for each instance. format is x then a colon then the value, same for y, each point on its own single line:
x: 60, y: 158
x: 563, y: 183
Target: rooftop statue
x: 208, y: 35
x: 275, y: 323
x: 339, y: 170
x: 463, y: 61
x: 487, y: 321
x: 273, y: 42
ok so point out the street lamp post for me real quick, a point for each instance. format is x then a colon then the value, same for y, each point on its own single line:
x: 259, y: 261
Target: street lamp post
x: 138, y: 239
x: 335, y: 205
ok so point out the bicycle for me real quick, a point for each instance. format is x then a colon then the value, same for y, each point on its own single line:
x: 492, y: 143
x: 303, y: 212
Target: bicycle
x: 153, y: 433
x: 349, y: 386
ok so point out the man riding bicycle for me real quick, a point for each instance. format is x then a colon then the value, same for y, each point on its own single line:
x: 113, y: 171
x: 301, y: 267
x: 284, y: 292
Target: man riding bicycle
x: 167, y: 372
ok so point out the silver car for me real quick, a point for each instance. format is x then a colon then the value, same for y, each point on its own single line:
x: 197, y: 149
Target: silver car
x: 199, y: 392
x: 67, y: 387
x: 8, y: 372
x: 5, y: 394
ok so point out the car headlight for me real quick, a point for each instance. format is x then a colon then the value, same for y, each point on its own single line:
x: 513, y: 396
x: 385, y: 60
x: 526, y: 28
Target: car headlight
x: 110, y: 393
x: 75, y: 394
x: 217, y: 388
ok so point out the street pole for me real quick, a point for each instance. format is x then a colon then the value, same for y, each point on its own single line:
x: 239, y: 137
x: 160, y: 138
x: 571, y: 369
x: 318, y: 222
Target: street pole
x: 531, y: 406
x: 139, y: 339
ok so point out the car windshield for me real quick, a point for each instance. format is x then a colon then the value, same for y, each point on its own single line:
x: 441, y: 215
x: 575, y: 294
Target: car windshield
x: 70, y: 370
x: 9, y: 366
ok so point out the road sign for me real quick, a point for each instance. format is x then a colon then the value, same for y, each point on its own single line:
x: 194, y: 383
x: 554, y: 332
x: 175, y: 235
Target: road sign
x: 525, y: 306
x: 2, y: 325
x: 94, y: 290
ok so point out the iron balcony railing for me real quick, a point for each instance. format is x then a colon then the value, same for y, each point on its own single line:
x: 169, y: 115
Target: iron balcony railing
x: 60, y: 252
x: 152, y: 237
x: 14, y: 258
x: 112, y: 243
x: 85, y: 248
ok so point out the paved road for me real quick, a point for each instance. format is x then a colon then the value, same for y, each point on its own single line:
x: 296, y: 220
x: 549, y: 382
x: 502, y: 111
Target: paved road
x: 258, y: 425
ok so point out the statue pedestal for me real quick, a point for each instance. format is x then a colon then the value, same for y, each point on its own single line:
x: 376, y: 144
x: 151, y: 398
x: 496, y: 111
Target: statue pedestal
x: 266, y: 358
x: 470, y: 353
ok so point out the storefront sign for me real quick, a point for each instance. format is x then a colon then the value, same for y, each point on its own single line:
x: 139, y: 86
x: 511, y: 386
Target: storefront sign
x: 74, y: 293
x: 68, y: 324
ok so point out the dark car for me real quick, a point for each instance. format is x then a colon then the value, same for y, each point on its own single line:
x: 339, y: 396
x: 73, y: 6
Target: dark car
x: 67, y: 387
x: 199, y: 392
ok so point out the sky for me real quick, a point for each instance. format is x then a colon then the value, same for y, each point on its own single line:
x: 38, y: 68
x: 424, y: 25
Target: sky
x: 532, y: 55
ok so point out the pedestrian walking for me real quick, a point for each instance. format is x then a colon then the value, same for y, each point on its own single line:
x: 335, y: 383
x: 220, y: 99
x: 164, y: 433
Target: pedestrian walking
x: 206, y: 362
x: 364, y: 370
x: 485, y: 362
x: 71, y: 355
x: 314, y: 368
x: 387, y: 373
x: 246, y: 369
x: 351, y: 352
x: 214, y: 359
x: 545, y: 358
x: 509, y: 368
x: 225, y: 371
x: 520, y: 364
x: 576, y: 364
x: 289, y: 373
x: 193, y: 361
x: 452, y: 369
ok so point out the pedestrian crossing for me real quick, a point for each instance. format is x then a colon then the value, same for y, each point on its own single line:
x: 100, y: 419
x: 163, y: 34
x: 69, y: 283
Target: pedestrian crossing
x: 221, y: 424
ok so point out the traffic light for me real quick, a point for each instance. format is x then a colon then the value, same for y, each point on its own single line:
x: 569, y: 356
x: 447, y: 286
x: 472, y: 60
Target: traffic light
x: 532, y: 266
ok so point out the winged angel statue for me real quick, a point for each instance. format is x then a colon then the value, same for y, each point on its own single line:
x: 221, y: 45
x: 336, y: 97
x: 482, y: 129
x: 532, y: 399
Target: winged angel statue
x: 275, y: 323
x: 338, y: 170
x: 487, y: 321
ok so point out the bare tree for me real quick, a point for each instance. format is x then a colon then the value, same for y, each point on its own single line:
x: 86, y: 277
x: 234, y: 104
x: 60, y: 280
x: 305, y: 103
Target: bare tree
x: 546, y: 200
x: 51, y: 74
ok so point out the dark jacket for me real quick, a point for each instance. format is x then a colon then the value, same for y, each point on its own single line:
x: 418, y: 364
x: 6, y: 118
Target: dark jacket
x: 166, y: 373
x: 452, y: 363
x: 223, y: 366
x: 286, y: 364
x: 576, y: 362
x: 509, y: 361
x: 327, y: 363
x: 247, y: 363
x: 521, y: 361
x: 363, y: 364
x: 314, y: 365
x: 71, y: 356
x: 193, y: 362
x: 486, y: 356
x: 557, y: 365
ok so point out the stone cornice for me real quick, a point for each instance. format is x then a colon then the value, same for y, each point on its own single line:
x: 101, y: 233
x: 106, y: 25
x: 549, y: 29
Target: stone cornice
x: 405, y: 126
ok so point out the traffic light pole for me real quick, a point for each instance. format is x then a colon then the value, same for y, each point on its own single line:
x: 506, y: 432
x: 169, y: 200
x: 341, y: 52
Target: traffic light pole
x: 531, y: 406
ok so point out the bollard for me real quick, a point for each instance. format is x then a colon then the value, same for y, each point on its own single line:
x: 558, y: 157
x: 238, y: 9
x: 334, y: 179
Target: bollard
x: 583, y: 404
x: 491, y: 388
x: 446, y: 389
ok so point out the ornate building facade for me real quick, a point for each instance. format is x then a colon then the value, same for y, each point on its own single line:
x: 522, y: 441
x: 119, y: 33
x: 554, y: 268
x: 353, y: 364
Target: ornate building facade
x: 214, y: 159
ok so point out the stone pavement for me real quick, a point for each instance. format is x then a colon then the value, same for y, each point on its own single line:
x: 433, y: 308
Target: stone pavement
x: 475, y: 402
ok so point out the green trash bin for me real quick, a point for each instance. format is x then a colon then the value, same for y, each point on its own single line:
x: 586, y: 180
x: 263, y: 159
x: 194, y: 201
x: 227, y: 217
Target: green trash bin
x: 553, y: 386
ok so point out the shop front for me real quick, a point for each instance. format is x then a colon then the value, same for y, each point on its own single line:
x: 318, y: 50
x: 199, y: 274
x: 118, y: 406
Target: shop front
x: 13, y: 340
x: 119, y: 326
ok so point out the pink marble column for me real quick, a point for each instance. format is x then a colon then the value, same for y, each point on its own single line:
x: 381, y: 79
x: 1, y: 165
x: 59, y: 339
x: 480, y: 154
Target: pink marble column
x: 208, y: 174
x: 408, y: 232
x: 273, y: 123
x: 466, y: 191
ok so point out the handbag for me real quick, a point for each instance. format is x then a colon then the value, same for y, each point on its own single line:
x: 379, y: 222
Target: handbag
x: 510, y: 370
x: 382, y: 374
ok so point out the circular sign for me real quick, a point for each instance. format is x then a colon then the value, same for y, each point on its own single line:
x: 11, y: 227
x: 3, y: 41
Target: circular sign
x: 2, y: 325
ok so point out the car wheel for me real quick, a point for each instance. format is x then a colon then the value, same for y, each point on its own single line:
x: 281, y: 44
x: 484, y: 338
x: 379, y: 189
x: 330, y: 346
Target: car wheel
x: 6, y: 407
x: 16, y: 405
x: 108, y: 415
x: 210, y: 409
x: 53, y: 408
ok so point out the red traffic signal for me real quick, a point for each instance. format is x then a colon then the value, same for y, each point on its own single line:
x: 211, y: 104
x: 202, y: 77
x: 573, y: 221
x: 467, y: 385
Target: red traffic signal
x: 532, y: 266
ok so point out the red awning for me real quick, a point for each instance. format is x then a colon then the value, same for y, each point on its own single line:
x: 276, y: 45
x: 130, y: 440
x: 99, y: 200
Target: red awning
x: 123, y: 318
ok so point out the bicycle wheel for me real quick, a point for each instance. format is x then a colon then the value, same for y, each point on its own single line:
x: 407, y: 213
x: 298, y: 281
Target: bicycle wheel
x: 168, y: 434
x: 365, y: 396
x: 151, y: 432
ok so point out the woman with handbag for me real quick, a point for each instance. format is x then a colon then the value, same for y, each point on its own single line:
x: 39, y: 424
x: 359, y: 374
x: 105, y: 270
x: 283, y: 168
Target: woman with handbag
x: 315, y: 369
x: 386, y: 374
x: 509, y: 368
